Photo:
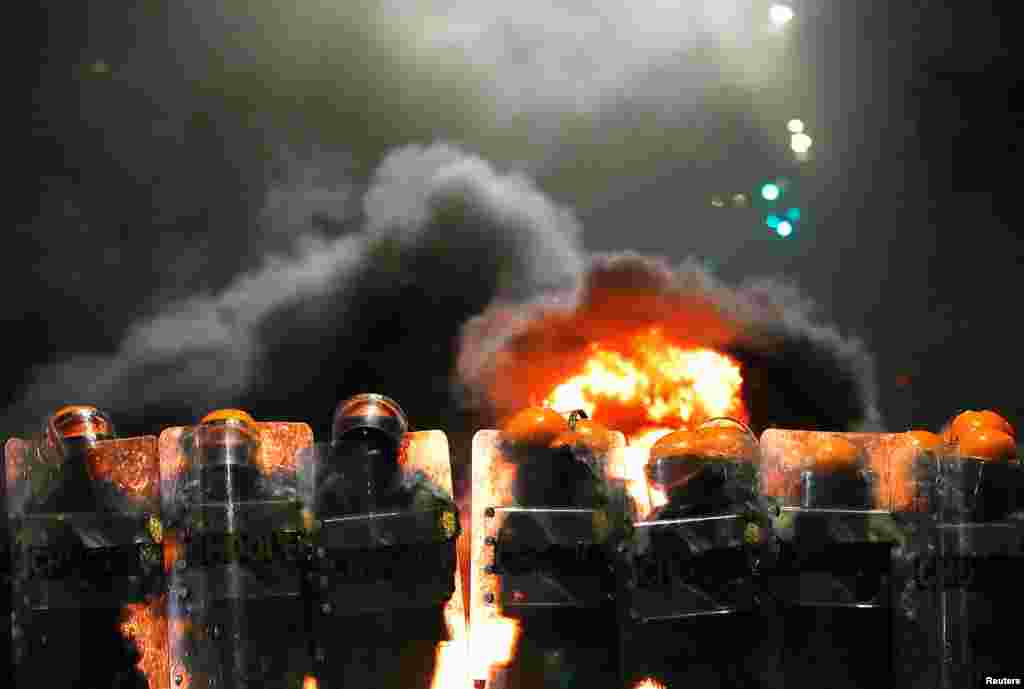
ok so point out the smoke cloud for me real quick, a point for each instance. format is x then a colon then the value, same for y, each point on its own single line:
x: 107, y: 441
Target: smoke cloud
x: 440, y: 253
x: 440, y: 233
x: 798, y: 372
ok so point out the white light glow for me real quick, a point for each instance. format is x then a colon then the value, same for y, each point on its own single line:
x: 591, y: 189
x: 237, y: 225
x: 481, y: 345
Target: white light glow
x: 800, y: 143
x: 780, y: 14
x: 795, y: 126
x: 785, y: 228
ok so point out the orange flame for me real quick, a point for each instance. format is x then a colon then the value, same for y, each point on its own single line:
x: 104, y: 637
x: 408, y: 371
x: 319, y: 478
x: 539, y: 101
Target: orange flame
x: 494, y: 637
x: 174, y: 550
x: 649, y: 683
x: 653, y: 384
x: 309, y: 682
x: 451, y: 667
x: 648, y: 389
x: 146, y: 625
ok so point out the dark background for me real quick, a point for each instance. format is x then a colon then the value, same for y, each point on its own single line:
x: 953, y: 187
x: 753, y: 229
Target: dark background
x: 147, y: 136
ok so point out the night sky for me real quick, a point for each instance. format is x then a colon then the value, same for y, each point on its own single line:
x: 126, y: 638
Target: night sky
x: 214, y: 202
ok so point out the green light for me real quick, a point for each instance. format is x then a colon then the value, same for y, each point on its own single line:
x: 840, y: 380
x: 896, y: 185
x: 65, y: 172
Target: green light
x: 784, y: 229
x: 773, y: 221
x: 770, y: 191
x: 793, y: 214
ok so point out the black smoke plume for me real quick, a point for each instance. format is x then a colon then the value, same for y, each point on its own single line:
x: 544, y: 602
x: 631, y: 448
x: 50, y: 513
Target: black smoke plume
x: 443, y: 255
x: 798, y: 372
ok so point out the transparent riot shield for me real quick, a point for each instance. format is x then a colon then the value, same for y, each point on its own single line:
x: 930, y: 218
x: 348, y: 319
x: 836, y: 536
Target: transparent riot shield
x: 695, y: 559
x: 546, y: 528
x: 980, y: 564
x: 911, y: 485
x: 84, y: 518
x: 838, y: 533
x: 5, y: 573
x: 235, y: 551
x: 387, y: 606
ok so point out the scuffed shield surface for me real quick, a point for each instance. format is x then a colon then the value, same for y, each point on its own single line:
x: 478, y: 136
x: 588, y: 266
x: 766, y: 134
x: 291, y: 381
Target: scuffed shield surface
x: 237, y: 598
x: 81, y: 576
x: 545, y: 525
x: 853, y: 541
x: 387, y: 606
x: 978, y: 566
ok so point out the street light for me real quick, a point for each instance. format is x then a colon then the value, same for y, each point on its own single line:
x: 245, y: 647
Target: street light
x: 780, y: 14
x: 800, y: 143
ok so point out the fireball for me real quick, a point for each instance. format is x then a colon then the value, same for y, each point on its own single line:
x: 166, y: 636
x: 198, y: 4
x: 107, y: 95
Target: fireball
x: 652, y: 385
x: 645, y: 386
x: 647, y: 389
x: 146, y: 625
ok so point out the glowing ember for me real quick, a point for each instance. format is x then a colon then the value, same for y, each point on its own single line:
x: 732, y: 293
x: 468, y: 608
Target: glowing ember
x: 649, y: 683
x: 653, y: 385
x: 146, y: 625
x: 309, y: 682
x: 174, y: 549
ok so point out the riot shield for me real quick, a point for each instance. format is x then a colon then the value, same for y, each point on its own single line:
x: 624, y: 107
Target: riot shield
x: 5, y: 573
x: 837, y: 530
x: 912, y: 485
x: 87, y: 585
x: 387, y: 606
x: 980, y: 562
x: 694, y: 565
x: 546, y: 527
x: 235, y: 552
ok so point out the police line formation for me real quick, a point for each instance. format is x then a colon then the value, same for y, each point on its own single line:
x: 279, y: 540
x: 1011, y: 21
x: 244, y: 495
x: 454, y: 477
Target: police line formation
x: 237, y: 553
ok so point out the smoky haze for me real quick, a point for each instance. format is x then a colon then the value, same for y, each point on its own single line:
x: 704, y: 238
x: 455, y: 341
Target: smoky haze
x: 436, y: 239
x: 436, y: 234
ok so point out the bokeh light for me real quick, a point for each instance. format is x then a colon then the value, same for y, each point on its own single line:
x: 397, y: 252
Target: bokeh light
x: 780, y: 14
x: 795, y: 126
x: 785, y: 228
x: 770, y: 191
x: 800, y: 143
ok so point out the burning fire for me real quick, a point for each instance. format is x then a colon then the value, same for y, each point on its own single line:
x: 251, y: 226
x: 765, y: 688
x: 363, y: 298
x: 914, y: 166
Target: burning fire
x: 652, y: 385
x: 494, y: 637
x: 647, y: 390
x: 146, y: 625
x: 649, y: 683
x: 451, y: 669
